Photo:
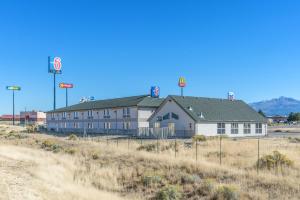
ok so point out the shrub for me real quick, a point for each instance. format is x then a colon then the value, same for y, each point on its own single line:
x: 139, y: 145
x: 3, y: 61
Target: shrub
x: 95, y: 156
x: 49, y: 145
x: 150, y: 180
x: 147, y: 147
x: 70, y: 151
x: 226, y: 193
x: 168, y: 193
x: 216, y: 154
x: 31, y: 128
x: 72, y: 137
x: 274, y: 161
x: 294, y: 140
x: 190, y: 179
x: 199, y: 138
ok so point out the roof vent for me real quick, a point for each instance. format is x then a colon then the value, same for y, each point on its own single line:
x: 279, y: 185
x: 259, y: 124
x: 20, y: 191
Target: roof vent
x: 190, y: 108
x: 200, y: 115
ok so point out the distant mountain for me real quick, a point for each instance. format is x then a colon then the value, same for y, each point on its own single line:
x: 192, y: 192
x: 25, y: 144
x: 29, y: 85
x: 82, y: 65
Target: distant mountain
x: 279, y: 106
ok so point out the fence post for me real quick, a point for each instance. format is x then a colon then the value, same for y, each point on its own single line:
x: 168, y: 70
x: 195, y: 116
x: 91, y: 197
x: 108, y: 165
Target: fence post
x: 157, y: 144
x: 220, y: 150
x: 175, y: 147
x: 258, y: 155
x: 107, y: 140
x: 117, y: 142
x: 128, y: 143
x: 196, y: 150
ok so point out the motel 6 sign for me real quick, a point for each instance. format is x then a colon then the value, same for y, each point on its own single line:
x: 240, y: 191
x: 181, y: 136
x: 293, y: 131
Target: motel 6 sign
x: 155, y: 91
x: 54, y: 65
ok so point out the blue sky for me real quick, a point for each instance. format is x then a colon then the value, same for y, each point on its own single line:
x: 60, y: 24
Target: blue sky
x: 121, y: 48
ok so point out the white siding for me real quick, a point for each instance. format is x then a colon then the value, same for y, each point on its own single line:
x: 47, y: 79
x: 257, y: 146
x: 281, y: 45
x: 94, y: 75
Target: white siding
x: 182, y: 124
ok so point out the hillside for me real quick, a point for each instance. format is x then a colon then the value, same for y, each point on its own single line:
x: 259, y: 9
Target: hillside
x: 277, y: 106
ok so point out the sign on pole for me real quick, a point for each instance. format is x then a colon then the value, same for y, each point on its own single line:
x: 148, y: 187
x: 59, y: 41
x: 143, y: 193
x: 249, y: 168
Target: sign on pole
x: 66, y: 85
x: 181, y: 84
x: 155, y: 91
x: 13, y: 88
x: 54, y: 65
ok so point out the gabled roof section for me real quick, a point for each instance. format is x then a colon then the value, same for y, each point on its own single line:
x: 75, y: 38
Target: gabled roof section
x: 214, y: 110
x: 141, y: 101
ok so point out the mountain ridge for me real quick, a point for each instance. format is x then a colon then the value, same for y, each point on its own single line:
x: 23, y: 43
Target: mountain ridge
x: 277, y: 106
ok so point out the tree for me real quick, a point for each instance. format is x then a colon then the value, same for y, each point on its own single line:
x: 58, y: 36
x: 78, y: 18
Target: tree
x: 262, y: 113
x: 294, y: 117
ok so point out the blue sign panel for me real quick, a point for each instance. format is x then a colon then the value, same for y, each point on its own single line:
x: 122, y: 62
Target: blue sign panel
x: 54, y: 65
x: 155, y: 91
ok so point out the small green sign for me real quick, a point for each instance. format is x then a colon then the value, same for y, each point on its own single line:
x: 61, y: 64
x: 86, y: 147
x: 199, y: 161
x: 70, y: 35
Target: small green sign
x: 13, y: 88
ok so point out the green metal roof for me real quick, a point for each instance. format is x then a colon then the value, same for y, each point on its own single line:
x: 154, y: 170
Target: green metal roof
x: 215, y: 110
x: 140, y: 101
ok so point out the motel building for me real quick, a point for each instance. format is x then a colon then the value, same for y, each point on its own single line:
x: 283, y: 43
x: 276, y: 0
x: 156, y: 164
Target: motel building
x: 179, y: 116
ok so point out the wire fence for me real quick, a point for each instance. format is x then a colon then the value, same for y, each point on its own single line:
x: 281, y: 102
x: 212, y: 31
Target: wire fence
x: 238, y: 153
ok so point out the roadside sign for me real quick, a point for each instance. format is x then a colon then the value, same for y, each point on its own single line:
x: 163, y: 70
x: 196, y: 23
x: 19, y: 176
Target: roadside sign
x: 54, y: 64
x: 66, y: 85
x: 13, y: 87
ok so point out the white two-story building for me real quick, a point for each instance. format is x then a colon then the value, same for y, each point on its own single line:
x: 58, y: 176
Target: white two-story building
x: 117, y: 116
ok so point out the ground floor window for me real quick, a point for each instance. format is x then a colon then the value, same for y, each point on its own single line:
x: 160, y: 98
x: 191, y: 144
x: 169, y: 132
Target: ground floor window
x: 107, y: 125
x: 258, y: 128
x: 76, y: 125
x: 247, y: 128
x: 221, y: 128
x: 234, y: 128
x: 90, y: 125
x: 126, y: 125
x: 156, y: 125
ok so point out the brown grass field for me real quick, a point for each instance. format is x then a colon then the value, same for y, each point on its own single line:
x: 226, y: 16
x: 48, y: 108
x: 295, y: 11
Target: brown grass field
x: 39, y: 166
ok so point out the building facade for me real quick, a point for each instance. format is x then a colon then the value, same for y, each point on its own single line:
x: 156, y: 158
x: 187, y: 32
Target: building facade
x: 32, y: 118
x: 116, y: 116
x: 190, y: 116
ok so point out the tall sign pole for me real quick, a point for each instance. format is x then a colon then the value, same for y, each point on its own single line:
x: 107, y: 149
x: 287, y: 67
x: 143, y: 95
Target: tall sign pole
x: 54, y: 66
x: 13, y: 88
x: 181, y: 84
x: 66, y: 86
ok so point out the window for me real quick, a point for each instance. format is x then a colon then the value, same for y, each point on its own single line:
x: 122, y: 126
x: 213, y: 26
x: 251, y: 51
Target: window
x: 76, y: 125
x: 159, y: 118
x: 126, y: 112
x: 90, y: 114
x: 106, y: 113
x: 64, y: 115
x: 166, y: 116
x: 221, y: 128
x: 234, y: 128
x: 65, y: 125
x: 156, y: 125
x: 247, y: 128
x: 90, y: 125
x: 52, y: 115
x: 107, y: 125
x: 75, y: 115
x: 174, y: 116
x: 126, y: 125
x: 258, y: 128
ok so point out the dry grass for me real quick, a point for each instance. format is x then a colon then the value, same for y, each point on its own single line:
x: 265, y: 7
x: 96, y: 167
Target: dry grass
x: 82, y: 168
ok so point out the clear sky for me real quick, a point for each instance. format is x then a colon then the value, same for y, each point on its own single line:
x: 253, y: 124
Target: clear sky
x: 121, y: 48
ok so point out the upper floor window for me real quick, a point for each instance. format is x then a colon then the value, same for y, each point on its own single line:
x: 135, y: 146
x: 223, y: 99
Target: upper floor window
x: 52, y: 115
x: 221, y: 128
x: 90, y: 113
x: 64, y: 114
x: 234, y: 128
x: 166, y: 116
x: 247, y: 128
x: 126, y: 112
x: 258, y: 128
x: 174, y: 116
x: 106, y: 113
x: 75, y: 114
